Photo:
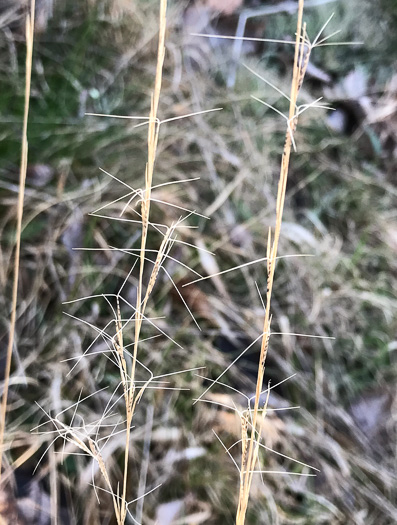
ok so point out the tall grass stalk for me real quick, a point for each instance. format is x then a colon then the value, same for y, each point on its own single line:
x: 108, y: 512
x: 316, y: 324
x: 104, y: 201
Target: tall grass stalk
x: 250, y: 445
x: 29, y: 31
x: 132, y: 393
x: 132, y: 396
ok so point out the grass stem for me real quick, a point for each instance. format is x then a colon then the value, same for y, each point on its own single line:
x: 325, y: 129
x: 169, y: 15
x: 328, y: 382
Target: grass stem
x: 29, y: 31
x: 250, y: 445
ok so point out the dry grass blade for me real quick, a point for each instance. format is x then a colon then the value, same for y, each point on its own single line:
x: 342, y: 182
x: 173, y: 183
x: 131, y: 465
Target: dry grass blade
x: 22, y: 178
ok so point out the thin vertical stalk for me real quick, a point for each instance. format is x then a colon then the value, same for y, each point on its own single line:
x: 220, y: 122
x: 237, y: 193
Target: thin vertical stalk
x: 29, y: 30
x: 153, y: 133
x: 249, y: 458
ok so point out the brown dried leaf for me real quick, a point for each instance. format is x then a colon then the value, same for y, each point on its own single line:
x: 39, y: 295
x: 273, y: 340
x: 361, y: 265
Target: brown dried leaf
x: 229, y: 422
x: 196, y: 300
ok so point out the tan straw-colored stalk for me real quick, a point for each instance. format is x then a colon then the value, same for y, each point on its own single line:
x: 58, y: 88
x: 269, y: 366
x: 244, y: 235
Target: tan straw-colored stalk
x: 21, y: 194
x: 249, y: 458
